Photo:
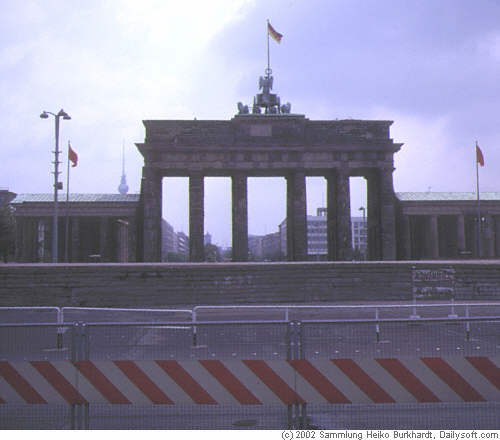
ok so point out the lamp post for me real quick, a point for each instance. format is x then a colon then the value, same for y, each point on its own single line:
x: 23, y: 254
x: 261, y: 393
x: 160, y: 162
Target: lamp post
x: 57, y: 184
x: 362, y: 208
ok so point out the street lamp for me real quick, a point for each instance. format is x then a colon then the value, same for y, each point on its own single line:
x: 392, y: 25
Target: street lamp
x: 57, y: 184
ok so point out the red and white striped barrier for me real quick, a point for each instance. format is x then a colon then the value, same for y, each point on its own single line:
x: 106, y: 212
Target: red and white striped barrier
x: 252, y: 382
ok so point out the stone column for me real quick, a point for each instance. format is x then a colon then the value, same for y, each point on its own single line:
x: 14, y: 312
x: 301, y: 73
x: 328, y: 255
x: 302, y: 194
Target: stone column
x: 122, y: 250
x: 496, y: 220
x: 373, y: 221
x: 33, y: 239
x: 338, y: 216
x: 151, y: 192
x: 105, y: 239
x: 132, y: 239
x: 41, y: 241
x: 19, y: 252
x: 28, y: 253
x: 487, y: 237
x: 473, y: 231
x: 460, y: 233
x: 75, y: 239
x: 331, y: 215
x: 387, y: 214
x: 239, y: 196
x: 296, y: 227
x: 343, y: 210
x: 196, y: 218
x: 405, y: 237
x: 434, y: 237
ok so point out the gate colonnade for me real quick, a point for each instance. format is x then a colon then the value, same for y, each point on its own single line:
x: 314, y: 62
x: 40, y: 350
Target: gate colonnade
x: 289, y: 146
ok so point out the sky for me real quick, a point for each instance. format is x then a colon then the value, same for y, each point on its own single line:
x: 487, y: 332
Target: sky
x: 431, y: 67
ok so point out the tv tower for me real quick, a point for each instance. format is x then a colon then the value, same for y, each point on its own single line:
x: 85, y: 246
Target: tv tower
x: 123, y: 187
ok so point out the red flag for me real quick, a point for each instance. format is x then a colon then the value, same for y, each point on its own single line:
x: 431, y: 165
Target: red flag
x: 479, y: 156
x: 72, y: 156
x: 276, y: 35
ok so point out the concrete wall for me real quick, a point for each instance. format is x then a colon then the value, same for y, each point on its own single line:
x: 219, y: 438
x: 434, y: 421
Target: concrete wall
x: 160, y: 285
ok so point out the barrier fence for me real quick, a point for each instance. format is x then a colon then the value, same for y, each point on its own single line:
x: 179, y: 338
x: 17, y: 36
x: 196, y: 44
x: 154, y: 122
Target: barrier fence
x: 286, y: 312
x: 399, y: 372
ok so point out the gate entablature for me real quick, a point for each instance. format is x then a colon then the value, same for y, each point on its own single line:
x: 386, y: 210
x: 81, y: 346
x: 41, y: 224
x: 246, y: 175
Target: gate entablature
x: 266, y: 144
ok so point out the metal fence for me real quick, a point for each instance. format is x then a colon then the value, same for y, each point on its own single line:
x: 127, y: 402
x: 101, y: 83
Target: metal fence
x: 289, y: 312
x: 286, y: 312
x: 351, y: 334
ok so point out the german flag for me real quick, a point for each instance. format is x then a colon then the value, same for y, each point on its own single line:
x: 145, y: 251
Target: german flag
x: 276, y: 35
x: 479, y: 156
x: 72, y: 156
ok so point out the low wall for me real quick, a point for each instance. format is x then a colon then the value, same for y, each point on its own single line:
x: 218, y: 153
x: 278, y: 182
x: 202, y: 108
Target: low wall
x: 190, y: 284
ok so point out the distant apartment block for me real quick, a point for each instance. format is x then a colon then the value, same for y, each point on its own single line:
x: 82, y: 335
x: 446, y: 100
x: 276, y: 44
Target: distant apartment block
x: 168, y: 240
x: 271, y: 249
x: 316, y: 236
x: 182, y: 243
x: 255, y: 247
x: 359, y: 236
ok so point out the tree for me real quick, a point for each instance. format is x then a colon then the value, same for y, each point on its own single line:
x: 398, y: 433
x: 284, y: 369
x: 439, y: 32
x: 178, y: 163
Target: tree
x: 7, y: 232
x: 227, y: 254
x: 175, y: 257
x: 212, y: 253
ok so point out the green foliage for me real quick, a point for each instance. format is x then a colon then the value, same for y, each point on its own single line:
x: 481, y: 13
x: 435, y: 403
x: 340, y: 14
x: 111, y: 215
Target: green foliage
x: 357, y: 255
x: 227, y: 254
x: 212, y: 253
x: 176, y: 258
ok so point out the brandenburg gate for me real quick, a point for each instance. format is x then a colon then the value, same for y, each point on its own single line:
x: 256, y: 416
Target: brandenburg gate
x: 268, y: 140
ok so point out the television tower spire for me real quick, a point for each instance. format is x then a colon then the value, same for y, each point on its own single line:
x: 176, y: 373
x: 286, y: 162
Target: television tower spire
x: 123, y: 187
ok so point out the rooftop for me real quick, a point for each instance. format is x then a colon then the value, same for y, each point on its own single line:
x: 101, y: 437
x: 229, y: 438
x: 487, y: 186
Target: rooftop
x: 77, y: 198
x: 445, y: 196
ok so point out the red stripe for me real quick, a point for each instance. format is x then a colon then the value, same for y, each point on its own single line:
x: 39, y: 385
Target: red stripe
x: 456, y: 382
x: 363, y: 381
x: 16, y: 381
x: 275, y: 383
x: 1, y: 401
x: 143, y: 382
x: 101, y: 382
x: 408, y: 380
x: 320, y: 383
x: 182, y: 378
x: 58, y: 382
x: 487, y: 368
x: 227, y: 379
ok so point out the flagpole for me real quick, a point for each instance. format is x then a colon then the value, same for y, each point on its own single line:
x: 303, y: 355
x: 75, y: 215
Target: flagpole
x: 478, y: 208
x: 66, y: 238
x: 268, y: 71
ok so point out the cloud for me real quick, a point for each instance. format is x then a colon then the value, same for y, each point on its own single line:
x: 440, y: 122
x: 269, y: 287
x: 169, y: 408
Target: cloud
x: 432, y: 67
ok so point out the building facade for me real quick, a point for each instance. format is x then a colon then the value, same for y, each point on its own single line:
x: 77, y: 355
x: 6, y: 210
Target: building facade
x: 317, y: 236
x: 102, y: 227
x: 271, y: 247
x: 444, y: 225
x: 91, y: 227
x: 256, y: 252
x: 359, y: 237
x: 183, y: 244
x: 168, y: 240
